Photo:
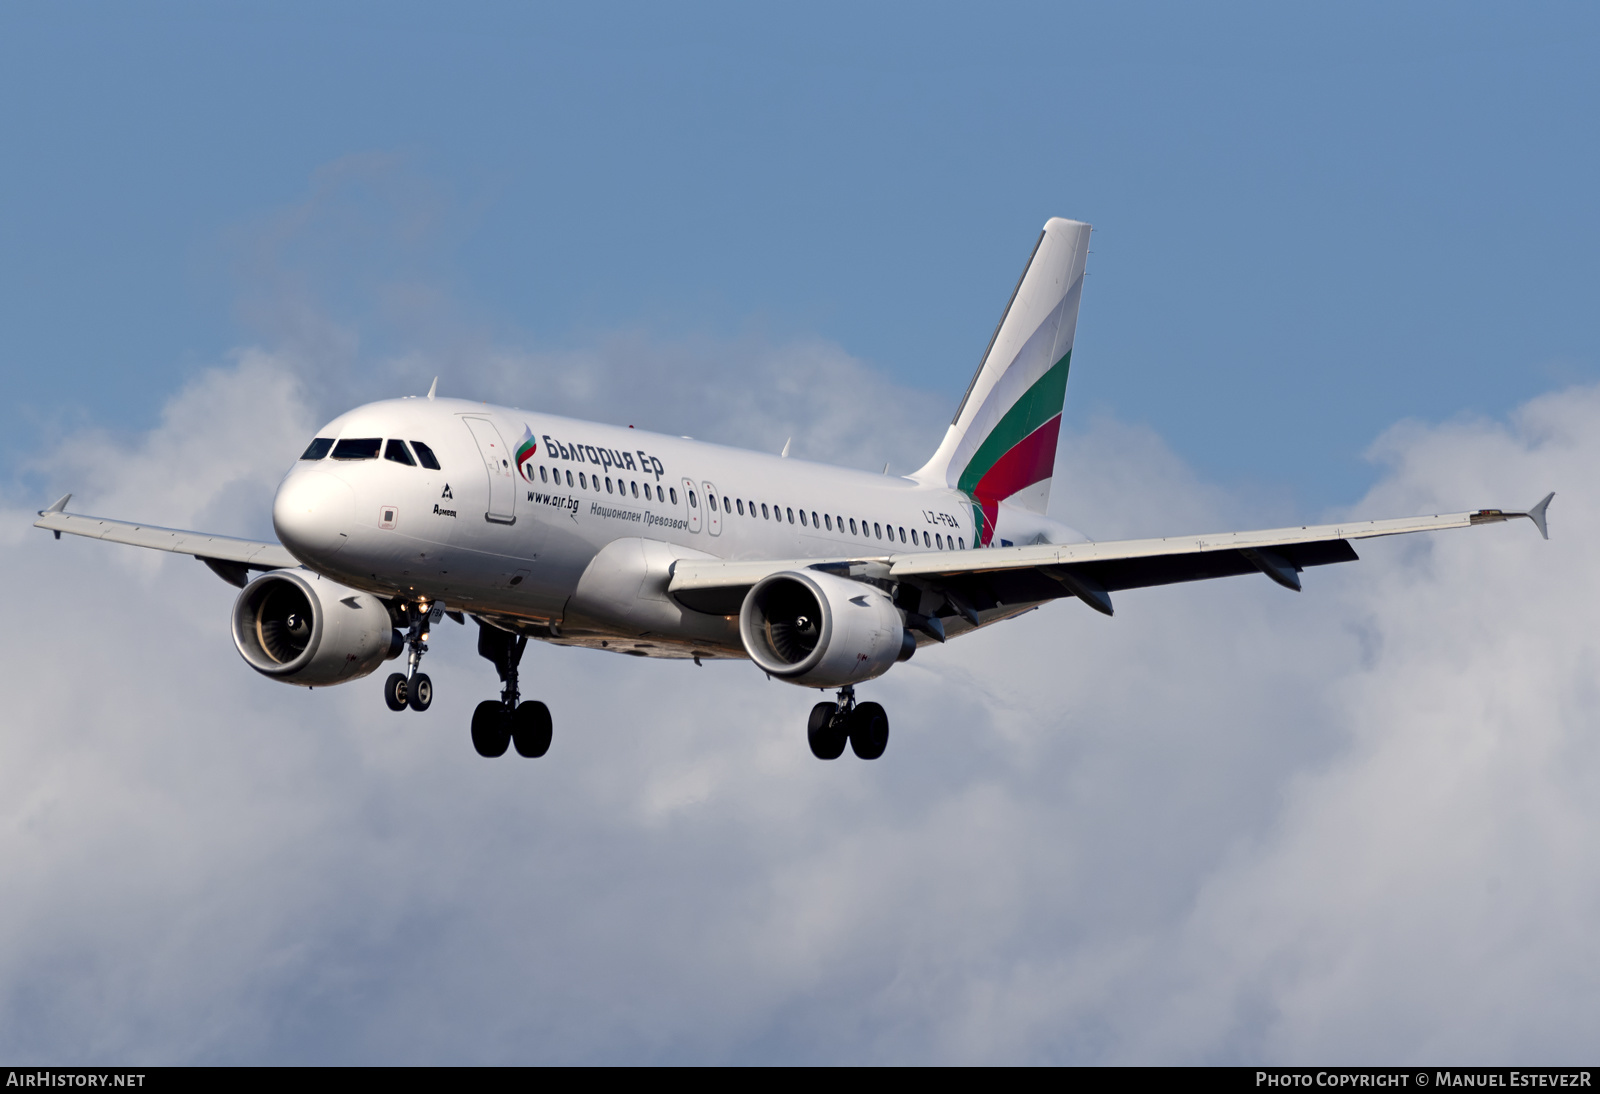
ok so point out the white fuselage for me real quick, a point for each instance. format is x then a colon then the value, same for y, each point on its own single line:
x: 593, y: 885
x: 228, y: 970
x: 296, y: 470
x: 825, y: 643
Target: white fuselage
x: 576, y: 542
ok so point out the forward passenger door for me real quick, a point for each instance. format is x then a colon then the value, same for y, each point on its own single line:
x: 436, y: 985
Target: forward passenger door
x: 502, y: 476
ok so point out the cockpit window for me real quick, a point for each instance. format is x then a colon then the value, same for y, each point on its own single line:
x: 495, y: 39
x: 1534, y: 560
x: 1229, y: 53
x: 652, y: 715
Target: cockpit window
x: 426, y: 456
x: 318, y: 448
x: 396, y: 451
x: 357, y: 448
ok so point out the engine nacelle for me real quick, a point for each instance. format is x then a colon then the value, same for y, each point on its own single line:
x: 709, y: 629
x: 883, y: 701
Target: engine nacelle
x: 295, y: 626
x: 819, y: 630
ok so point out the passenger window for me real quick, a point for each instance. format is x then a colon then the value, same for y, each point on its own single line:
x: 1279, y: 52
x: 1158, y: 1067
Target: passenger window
x: 608, y: 484
x: 902, y: 535
x: 425, y: 455
x: 318, y: 448
x: 396, y: 451
x: 635, y: 488
x: 674, y: 492
x: 827, y: 520
x: 544, y: 473
x: 878, y: 530
x: 357, y: 448
x: 852, y: 526
x: 938, y: 541
x: 791, y: 516
x: 569, y: 478
x: 739, y: 503
x: 712, y: 498
x: 764, y: 514
x: 583, y: 480
x: 802, y: 518
x: 814, y: 523
x: 963, y: 543
x: 694, y: 502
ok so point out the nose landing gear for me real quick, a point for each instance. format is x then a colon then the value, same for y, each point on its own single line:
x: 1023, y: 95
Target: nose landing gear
x: 412, y: 688
x: 497, y: 724
x: 864, y: 727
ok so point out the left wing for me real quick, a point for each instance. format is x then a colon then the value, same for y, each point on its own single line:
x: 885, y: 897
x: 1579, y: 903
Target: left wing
x: 229, y: 558
x: 991, y: 580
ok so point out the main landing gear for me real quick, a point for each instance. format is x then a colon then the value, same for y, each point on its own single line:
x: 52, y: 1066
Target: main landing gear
x: 865, y: 727
x: 498, y: 724
x: 411, y: 688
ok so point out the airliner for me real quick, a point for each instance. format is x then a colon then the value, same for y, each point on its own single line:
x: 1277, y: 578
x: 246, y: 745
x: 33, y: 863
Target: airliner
x: 405, y: 512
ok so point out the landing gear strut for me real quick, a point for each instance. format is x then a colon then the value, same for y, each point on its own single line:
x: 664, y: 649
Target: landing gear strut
x: 412, y: 688
x: 497, y: 724
x: 865, y: 727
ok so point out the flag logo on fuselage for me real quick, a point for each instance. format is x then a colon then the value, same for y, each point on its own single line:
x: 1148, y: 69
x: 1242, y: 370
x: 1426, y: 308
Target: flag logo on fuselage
x: 526, y: 451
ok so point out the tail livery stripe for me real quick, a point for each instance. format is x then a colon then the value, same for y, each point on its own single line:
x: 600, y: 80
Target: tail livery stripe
x: 1029, y: 461
x: 1001, y: 445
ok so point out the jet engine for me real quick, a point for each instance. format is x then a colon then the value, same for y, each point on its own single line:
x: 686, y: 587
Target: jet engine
x: 819, y: 630
x: 295, y: 626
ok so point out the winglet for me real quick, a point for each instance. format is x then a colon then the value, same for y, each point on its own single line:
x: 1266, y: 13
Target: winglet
x: 1536, y: 514
x: 61, y: 505
x: 434, y: 389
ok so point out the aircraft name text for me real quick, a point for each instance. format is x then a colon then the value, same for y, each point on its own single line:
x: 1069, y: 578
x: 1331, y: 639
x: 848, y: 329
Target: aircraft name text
x: 605, y: 458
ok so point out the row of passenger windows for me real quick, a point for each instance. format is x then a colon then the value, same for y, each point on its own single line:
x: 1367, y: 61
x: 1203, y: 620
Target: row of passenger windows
x: 367, y: 448
x: 730, y: 506
x: 584, y: 481
x: 833, y: 523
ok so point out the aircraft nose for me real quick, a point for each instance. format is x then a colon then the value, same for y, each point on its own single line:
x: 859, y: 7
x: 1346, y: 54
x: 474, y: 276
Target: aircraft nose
x: 312, y: 513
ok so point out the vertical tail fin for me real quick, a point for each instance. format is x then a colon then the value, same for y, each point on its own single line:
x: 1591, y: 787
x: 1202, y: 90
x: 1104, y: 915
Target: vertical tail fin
x: 1002, y: 444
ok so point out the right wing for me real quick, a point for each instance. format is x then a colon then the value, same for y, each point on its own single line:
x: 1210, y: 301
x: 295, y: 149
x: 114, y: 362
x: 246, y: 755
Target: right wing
x: 229, y: 558
x: 983, y: 585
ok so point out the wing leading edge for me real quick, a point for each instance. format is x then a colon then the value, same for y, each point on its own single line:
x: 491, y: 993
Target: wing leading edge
x: 230, y: 558
x: 997, y: 578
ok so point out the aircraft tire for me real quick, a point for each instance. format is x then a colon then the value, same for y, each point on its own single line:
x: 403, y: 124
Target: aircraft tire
x: 491, y: 729
x: 824, y: 731
x: 394, y: 691
x: 869, y: 731
x: 419, y: 692
x: 531, y: 729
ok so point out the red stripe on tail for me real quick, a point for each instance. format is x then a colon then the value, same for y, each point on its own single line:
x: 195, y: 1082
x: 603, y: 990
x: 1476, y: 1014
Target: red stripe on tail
x: 1030, y: 460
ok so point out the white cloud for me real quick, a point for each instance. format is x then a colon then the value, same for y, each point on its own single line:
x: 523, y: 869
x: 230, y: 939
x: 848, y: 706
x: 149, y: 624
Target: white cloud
x: 1229, y: 824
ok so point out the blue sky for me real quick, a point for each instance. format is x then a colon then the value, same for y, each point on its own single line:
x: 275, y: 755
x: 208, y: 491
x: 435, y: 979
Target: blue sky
x: 1312, y: 223
x: 1230, y: 825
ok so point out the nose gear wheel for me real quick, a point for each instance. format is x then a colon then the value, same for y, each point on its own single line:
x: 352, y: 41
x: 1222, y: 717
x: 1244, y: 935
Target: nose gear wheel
x: 412, y: 688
